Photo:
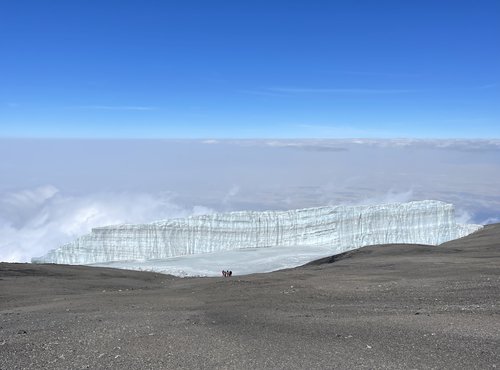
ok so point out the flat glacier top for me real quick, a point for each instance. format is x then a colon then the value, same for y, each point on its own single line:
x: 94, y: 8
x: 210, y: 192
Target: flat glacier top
x: 239, y: 261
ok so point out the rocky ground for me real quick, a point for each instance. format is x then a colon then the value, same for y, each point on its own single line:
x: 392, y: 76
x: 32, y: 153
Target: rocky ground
x: 397, y: 306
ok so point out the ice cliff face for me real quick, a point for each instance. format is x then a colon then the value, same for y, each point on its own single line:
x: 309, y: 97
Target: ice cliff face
x: 339, y: 228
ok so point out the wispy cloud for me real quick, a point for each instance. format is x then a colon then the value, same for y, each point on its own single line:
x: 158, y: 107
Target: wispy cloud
x: 307, y: 90
x: 281, y: 91
x: 115, y: 107
x: 377, y: 74
x: 261, y: 93
x: 487, y: 86
x: 338, y: 130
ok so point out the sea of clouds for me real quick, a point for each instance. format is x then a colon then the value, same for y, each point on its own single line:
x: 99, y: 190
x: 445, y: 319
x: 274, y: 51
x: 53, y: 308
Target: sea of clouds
x: 53, y: 191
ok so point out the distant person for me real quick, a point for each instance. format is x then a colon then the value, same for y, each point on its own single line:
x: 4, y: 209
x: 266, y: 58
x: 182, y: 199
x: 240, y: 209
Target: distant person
x: 224, y: 273
x: 230, y: 273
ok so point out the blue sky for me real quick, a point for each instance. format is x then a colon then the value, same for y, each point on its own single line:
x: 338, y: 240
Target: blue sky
x: 234, y: 69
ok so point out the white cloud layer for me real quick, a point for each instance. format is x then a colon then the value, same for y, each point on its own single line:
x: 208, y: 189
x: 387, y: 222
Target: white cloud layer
x: 53, y: 191
x: 37, y: 220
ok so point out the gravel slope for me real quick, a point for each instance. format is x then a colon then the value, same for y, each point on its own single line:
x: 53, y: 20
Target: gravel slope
x: 396, y: 306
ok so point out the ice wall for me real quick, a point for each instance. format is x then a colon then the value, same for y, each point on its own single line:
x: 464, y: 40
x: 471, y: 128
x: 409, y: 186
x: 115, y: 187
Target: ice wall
x: 340, y: 228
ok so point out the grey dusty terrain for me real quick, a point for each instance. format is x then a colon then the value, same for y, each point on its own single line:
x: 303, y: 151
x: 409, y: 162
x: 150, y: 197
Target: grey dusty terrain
x: 396, y: 306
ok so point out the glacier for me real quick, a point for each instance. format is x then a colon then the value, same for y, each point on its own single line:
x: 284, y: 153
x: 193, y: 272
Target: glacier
x: 203, y: 245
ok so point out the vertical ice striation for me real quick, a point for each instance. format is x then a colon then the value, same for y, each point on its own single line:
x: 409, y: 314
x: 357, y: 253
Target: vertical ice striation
x: 339, y: 228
